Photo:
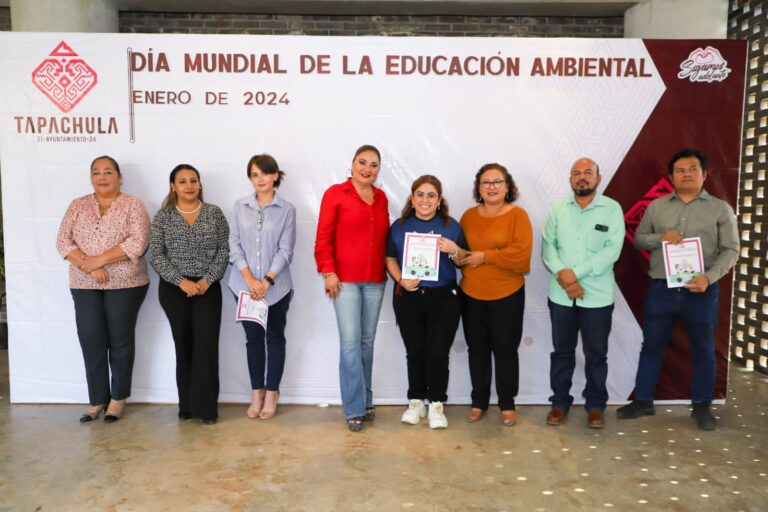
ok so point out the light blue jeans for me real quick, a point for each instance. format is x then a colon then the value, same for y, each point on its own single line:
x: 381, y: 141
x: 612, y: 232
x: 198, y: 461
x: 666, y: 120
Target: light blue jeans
x: 357, y: 314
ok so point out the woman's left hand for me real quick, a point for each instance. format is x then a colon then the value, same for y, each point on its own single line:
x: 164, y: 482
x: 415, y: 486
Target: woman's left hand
x: 473, y: 259
x: 91, y: 263
x: 447, y: 245
x: 202, y: 286
x: 410, y: 285
x: 100, y: 275
x: 264, y: 287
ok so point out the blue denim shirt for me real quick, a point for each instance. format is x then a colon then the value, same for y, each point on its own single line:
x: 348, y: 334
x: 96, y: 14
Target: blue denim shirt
x: 262, y: 239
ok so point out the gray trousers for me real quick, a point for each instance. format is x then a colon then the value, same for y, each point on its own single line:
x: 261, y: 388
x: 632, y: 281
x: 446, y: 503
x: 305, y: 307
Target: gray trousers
x: 106, y: 325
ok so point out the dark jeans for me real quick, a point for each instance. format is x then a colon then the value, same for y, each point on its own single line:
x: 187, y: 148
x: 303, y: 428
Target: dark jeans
x: 428, y: 319
x: 195, y: 326
x: 494, y: 328
x: 106, y: 328
x: 595, y: 326
x: 273, y: 354
x: 663, y: 307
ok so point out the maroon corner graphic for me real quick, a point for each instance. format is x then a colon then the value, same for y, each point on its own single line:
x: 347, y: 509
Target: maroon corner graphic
x: 702, y: 107
x: 64, y: 77
x: 635, y: 213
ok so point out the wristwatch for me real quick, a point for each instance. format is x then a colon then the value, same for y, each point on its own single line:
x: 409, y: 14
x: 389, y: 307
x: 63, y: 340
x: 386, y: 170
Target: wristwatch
x: 269, y: 279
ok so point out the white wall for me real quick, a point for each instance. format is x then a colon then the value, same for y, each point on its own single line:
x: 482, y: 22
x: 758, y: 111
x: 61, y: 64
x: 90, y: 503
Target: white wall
x: 64, y: 15
x: 677, y: 19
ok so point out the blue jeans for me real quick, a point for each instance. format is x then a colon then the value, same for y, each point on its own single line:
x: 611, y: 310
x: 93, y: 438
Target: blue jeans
x: 595, y: 326
x: 663, y: 307
x: 274, y: 355
x: 357, y: 314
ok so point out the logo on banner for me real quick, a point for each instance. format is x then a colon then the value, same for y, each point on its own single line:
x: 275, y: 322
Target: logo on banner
x: 635, y: 214
x: 704, y: 65
x: 64, y: 77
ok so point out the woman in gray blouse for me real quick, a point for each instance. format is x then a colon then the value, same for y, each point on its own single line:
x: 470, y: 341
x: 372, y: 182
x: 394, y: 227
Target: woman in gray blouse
x: 261, y: 249
x: 188, y: 240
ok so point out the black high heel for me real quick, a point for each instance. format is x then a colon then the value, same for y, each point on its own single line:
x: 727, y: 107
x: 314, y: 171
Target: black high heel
x: 90, y: 416
x: 113, y: 416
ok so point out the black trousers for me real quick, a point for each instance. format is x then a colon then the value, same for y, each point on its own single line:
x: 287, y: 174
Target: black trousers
x: 428, y: 319
x: 106, y: 328
x: 494, y: 328
x: 195, y: 324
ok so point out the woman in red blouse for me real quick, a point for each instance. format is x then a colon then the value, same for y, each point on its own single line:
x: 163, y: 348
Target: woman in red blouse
x: 349, y: 252
x: 103, y: 236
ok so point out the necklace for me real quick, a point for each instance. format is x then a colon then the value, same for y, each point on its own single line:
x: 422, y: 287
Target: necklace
x: 104, y: 207
x: 199, y: 204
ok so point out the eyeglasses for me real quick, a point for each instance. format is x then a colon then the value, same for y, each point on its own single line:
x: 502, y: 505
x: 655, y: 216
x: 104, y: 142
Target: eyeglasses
x: 495, y: 183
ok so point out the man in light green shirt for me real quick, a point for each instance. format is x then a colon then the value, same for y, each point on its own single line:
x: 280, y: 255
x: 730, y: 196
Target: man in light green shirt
x: 582, y: 240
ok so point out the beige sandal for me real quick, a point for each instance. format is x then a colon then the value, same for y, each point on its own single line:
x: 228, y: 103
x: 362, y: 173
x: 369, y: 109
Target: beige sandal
x: 257, y: 402
x: 270, y: 405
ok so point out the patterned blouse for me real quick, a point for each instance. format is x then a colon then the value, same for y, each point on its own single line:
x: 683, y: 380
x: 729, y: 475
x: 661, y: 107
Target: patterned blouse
x: 125, y: 224
x: 180, y: 250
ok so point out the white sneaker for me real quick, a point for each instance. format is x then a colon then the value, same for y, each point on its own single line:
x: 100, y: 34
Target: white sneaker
x: 437, y: 417
x: 415, y: 412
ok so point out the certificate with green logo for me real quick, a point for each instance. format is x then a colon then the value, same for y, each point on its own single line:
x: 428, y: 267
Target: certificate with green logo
x: 421, y: 256
x: 683, y: 261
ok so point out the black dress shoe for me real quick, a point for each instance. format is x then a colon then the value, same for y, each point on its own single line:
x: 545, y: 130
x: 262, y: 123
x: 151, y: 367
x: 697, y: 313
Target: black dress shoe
x: 635, y: 409
x: 209, y: 421
x: 184, y: 415
x: 703, y: 416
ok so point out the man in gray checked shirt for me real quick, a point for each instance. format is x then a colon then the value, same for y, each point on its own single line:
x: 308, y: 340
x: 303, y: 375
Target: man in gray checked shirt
x: 690, y: 211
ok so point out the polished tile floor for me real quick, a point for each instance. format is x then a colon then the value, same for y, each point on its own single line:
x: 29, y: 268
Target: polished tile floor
x: 305, y: 459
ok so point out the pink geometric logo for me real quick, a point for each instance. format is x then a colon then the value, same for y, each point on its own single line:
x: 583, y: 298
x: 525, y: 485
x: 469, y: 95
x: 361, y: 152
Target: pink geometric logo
x: 64, y: 77
x: 635, y: 214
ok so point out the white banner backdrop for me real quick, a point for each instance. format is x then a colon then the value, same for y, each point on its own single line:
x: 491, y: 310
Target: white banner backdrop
x: 305, y: 101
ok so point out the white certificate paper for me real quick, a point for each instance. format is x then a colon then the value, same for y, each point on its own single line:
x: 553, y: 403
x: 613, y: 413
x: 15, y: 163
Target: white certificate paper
x: 421, y: 256
x: 251, y: 310
x: 683, y: 261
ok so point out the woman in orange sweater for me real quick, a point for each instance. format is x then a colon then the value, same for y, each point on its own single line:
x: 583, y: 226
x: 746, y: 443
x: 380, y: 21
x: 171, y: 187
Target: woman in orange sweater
x: 500, y: 237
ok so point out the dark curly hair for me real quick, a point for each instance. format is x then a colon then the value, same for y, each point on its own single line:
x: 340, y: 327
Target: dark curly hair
x: 442, y: 210
x: 512, y: 192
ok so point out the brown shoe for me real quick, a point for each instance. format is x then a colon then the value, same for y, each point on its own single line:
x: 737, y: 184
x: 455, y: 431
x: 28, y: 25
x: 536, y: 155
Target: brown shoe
x: 595, y: 419
x: 474, y: 414
x: 509, y: 418
x: 556, y: 416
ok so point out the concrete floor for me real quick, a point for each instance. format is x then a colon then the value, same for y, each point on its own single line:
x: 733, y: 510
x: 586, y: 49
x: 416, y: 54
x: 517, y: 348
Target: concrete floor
x: 305, y: 459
